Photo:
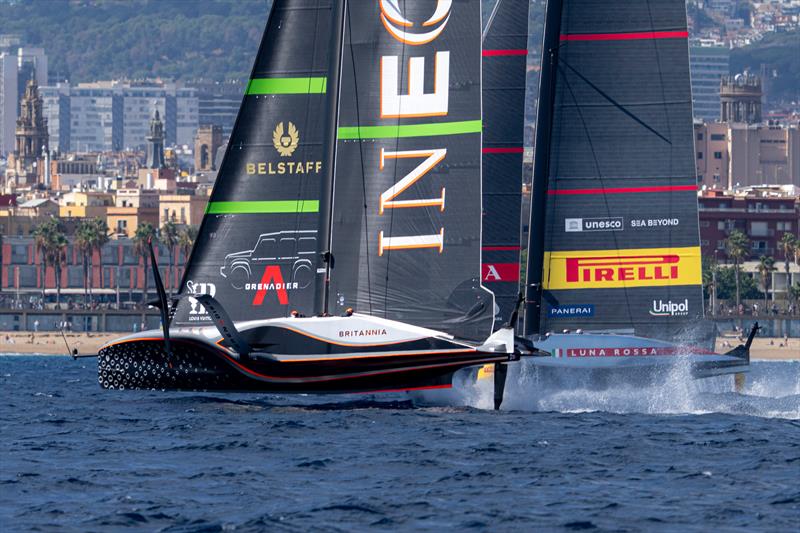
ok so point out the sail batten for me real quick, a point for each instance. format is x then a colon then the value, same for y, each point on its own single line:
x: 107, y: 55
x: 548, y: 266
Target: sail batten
x: 272, y: 206
x: 409, y: 130
x: 315, y: 85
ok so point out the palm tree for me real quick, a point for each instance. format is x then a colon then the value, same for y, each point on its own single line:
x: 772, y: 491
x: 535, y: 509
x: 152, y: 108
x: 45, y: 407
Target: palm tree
x: 766, y: 266
x: 57, y: 257
x: 170, y: 237
x: 794, y: 294
x: 41, y: 238
x: 83, y: 242
x: 52, y: 245
x: 788, y: 245
x: 737, y: 245
x: 143, y: 234
x: 99, y: 240
x: 186, y: 240
x: 709, y: 275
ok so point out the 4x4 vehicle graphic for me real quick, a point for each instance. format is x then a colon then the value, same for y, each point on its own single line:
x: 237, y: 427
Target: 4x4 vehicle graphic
x: 296, y: 249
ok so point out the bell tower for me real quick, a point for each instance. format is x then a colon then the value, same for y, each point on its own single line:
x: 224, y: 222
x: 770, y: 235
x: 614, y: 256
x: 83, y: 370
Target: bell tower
x: 155, y: 143
x: 31, y: 131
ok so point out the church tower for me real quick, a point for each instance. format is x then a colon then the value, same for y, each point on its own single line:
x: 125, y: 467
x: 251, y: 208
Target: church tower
x: 31, y: 132
x: 155, y: 144
x: 155, y: 174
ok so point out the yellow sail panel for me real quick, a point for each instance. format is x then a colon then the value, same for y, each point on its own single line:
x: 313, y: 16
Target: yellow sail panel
x: 611, y: 269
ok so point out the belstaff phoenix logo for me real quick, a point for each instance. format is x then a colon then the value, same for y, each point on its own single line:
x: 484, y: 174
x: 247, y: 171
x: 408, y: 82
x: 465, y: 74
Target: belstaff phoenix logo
x: 396, y: 24
x: 285, y: 139
x: 285, y: 142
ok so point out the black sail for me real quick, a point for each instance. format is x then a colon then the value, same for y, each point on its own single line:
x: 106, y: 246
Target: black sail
x: 621, y: 231
x: 407, y: 204
x: 505, y: 42
x: 257, y: 246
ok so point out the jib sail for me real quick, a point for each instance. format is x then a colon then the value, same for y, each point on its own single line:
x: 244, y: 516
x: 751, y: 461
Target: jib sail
x: 257, y: 246
x: 505, y: 42
x: 406, y: 231
x: 621, y: 243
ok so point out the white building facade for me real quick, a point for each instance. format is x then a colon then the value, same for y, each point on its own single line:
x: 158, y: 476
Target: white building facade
x: 708, y: 61
x: 113, y: 115
x: 9, y: 96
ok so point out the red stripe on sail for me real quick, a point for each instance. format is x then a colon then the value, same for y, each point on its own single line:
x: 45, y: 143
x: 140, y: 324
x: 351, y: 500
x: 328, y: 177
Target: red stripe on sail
x: 625, y: 36
x: 514, y: 150
x: 624, y: 190
x: 500, y: 248
x: 491, y: 272
x: 495, y: 53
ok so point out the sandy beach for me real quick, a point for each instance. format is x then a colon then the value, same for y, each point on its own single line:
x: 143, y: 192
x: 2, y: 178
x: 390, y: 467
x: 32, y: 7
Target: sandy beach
x: 51, y: 343
x: 88, y: 343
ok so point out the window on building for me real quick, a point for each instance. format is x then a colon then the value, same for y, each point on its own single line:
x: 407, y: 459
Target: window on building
x: 784, y: 226
x: 699, y: 136
x: 717, y: 155
x: 759, y: 229
x: 717, y: 136
x: 704, y: 223
x: 716, y: 178
x: 699, y: 155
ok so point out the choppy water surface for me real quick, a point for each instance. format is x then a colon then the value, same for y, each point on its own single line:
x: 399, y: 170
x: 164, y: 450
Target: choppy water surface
x: 678, y: 457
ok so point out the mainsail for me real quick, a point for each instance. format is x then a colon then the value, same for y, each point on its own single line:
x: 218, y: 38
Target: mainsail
x: 257, y: 246
x: 406, y: 224
x: 618, y: 204
x: 505, y: 42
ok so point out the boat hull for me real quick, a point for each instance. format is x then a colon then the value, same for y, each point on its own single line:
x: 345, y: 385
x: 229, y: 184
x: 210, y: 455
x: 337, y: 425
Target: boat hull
x: 289, y: 358
x: 630, y: 358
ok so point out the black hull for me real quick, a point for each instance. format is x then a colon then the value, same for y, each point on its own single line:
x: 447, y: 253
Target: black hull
x: 196, y: 366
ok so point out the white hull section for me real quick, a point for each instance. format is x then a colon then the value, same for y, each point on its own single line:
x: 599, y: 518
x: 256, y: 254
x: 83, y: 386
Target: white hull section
x: 610, y: 351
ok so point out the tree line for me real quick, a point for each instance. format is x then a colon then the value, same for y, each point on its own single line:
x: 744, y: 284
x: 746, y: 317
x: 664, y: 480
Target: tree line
x: 727, y: 283
x: 91, y: 235
x: 107, y: 39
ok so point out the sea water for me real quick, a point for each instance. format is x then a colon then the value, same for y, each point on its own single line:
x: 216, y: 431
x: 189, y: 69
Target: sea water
x: 683, y: 455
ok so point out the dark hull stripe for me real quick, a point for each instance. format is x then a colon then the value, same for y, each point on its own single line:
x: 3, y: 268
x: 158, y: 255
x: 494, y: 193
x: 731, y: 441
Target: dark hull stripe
x: 353, y: 375
x: 633, y: 36
x: 623, y: 190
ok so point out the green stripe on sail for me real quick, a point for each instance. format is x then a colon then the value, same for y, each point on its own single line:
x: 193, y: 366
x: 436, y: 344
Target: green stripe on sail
x: 287, y: 86
x: 274, y: 206
x: 409, y: 130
